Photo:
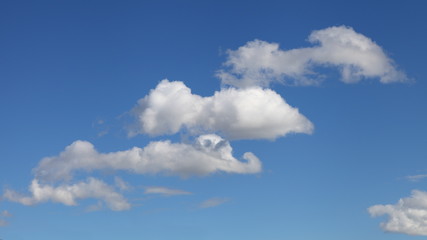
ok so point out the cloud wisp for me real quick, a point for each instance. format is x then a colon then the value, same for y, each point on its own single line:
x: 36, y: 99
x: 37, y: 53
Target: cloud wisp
x: 4, y: 214
x: 213, y: 202
x: 259, y: 63
x: 251, y: 113
x: 165, y: 191
x: 416, y: 178
x: 408, y: 215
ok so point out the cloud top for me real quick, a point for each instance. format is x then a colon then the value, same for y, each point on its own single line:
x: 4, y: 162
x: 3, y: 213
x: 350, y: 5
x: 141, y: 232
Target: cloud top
x: 258, y: 63
x: 251, y: 113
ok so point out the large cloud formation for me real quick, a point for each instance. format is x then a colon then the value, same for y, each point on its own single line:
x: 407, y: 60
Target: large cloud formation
x: 243, y: 109
x: 251, y: 113
x: 408, y: 215
x: 258, y: 63
x: 209, y: 154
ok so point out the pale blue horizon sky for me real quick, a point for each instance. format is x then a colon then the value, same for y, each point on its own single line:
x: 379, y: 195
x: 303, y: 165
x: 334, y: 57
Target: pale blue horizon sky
x: 71, y: 70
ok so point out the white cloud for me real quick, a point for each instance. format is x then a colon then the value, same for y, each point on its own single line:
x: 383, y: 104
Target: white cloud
x: 408, y: 215
x: 251, y: 113
x: 258, y: 62
x: 415, y: 178
x: 209, y: 154
x: 121, y: 184
x: 213, y: 202
x: 69, y: 194
x: 165, y: 191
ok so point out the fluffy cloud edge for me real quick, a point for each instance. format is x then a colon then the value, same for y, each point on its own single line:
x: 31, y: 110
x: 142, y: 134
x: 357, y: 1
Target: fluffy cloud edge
x: 407, y: 216
x: 208, y: 154
x: 259, y: 63
x: 250, y: 113
x: 69, y: 194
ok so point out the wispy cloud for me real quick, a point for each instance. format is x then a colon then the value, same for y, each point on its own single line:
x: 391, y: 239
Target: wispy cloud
x: 165, y: 191
x: 95, y: 207
x: 4, y: 214
x: 213, y: 202
x: 416, y: 178
x: 121, y: 184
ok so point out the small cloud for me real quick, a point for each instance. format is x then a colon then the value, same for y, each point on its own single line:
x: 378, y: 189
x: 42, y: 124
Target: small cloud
x: 213, y: 202
x: 95, y: 207
x: 121, y: 184
x: 5, y: 213
x: 69, y: 194
x: 101, y: 127
x: 416, y: 178
x: 103, y: 133
x: 165, y: 191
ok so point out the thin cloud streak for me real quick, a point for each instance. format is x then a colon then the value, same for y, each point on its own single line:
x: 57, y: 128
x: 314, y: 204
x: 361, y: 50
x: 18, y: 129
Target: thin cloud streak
x: 416, y: 178
x: 165, y: 191
x: 213, y: 202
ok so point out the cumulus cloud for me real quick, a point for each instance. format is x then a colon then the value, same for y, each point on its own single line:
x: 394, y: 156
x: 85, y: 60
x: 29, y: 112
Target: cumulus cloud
x: 251, y: 113
x: 258, y: 63
x: 408, y: 215
x: 69, y: 194
x: 208, y: 154
x: 165, y: 191
x: 213, y: 202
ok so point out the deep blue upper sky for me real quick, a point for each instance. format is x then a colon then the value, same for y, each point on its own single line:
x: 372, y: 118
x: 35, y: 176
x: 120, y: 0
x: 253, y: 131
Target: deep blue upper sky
x: 69, y: 70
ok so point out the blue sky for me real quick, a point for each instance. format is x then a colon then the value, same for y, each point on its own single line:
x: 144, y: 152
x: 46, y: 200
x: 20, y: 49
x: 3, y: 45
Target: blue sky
x: 336, y: 130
